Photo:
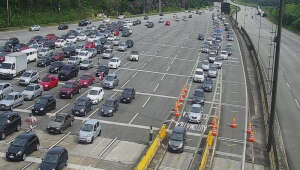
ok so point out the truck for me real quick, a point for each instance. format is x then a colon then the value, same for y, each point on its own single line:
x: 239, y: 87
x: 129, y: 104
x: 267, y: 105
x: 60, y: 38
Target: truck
x: 13, y: 65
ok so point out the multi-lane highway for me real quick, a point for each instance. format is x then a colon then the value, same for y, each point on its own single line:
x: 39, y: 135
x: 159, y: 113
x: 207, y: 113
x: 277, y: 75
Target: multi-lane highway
x: 288, y: 83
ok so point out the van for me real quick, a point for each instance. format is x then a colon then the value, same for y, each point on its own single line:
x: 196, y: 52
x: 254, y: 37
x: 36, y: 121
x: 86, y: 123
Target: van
x: 31, y: 54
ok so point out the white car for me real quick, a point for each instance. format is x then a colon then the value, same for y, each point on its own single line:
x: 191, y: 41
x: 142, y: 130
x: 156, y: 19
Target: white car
x: 81, y: 37
x: 106, y: 20
x: 114, y: 63
x: 134, y: 56
x: 107, y: 53
x: 72, y: 39
x: 84, y: 55
x: 218, y: 62
x: 199, y: 75
x: 93, y: 38
x: 121, y: 17
x: 205, y: 65
x: 60, y: 43
x: 224, y: 55
x: 111, y: 38
x: 96, y: 94
x: 35, y: 28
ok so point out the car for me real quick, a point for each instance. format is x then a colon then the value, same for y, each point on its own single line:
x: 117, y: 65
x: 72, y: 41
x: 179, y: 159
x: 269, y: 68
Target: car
x: 199, y: 75
x: 82, y: 55
x: 146, y: 17
x: 60, y: 43
x: 190, y: 16
x: 89, y: 131
x: 102, y: 71
x: 69, y: 89
x: 218, y: 62
x: 43, y: 105
x: 109, y: 107
x: 150, y: 25
x: 201, y: 37
x: 82, y: 106
x: 55, y: 158
x: 86, y: 79
x: 195, y: 113
x: 207, y: 85
x: 205, y: 65
x: 127, y: 95
x: 96, y: 94
x: 29, y: 76
x: 23, y: 145
x: 32, y: 91
x: 198, y: 96
x: 9, y: 122
x: 114, y: 63
x: 161, y: 14
x: 177, y: 139
x: 68, y: 72
x: 108, y: 53
x: 48, y: 82
x: 84, y: 23
x: 212, y: 57
x: 110, y: 81
x: 100, y: 49
x: 86, y: 64
x: 90, y: 44
x: 161, y: 20
x: 116, y: 41
x: 106, y: 20
x: 75, y: 60
x: 58, y: 56
x: 34, y: 28
x: 44, y: 61
x: 63, y: 27
x: 224, y: 55
x: 5, y: 89
x: 168, y: 23
x: 55, y: 67
x: 69, y: 51
x: 134, y: 56
x: 230, y: 38
x: 129, y: 43
x: 122, y: 46
x: 12, y: 100
x: 81, y: 37
x: 212, y: 72
x: 60, y: 122
x: 71, y: 39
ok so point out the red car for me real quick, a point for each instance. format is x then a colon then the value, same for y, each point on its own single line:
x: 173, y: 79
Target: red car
x: 49, y: 82
x: 90, y: 44
x: 70, y: 88
x: 50, y: 36
x: 116, y: 33
x: 58, y: 56
x: 86, y: 80
x: 168, y: 23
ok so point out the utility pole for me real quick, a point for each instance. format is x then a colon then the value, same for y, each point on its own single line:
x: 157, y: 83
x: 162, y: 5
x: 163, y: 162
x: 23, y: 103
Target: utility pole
x: 275, y: 78
x: 7, y: 9
x: 144, y: 6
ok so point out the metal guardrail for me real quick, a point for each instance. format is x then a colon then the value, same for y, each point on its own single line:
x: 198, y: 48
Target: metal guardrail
x: 277, y: 155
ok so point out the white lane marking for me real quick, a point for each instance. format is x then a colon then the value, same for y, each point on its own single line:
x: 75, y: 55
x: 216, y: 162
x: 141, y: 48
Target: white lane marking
x: 231, y: 140
x: 168, y: 68
x: 288, y: 85
x: 82, y: 94
x: 297, y: 103
x: 150, y: 94
x: 29, y: 107
x: 61, y: 139
x: 163, y: 76
x: 146, y: 102
x: 154, y: 72
x: 154, y: 90
x: 173, y: 59
x: 22, y: 110
x: 88, y: 117
x: 158, y: 56
x: 133, y: 118
x: 129, y: 80
x: 228, y: 154
x: 53, y: 114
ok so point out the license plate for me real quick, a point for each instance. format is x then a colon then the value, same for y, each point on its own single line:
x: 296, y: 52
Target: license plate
x: 11, y: 156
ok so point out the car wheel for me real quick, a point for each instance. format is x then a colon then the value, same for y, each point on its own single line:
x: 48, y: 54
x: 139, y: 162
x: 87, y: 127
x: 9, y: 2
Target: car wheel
x: 37, y: 147
x: 11, y: 108
x: 99, y: 133
x: 71, y: 95
x: 3, y: 136
x: 92, y: 140
x: 24, y: 157
x: 78, y: 91
x: 18, y: 128
x: 85, y: 113
x: 71, y: 123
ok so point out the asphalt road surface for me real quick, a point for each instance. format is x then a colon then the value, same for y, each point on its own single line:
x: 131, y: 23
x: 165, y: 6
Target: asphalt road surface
x: 288, y: 94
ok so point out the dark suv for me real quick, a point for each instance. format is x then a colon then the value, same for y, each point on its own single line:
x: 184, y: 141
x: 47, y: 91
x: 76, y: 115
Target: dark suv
x: 44, y: 104
x: 9, y: 123
x: 82, y: 106
x: 109, y: 107
x: 55, y: 67
x: 102, y: 70
x: 198, y: 96
x: 128, y: 95
x: 70, y: 88
x: 177, y: 139
x: 208, y: 85
x: 68, y: 71
x: 55, y: 158
x: 23, y: 145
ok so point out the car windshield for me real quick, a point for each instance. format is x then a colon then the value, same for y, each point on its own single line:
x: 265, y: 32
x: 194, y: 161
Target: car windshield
x: 109, y: 103
x: 134, y: 52
x: 110, y: 78
x: 177, y: 136
x: 46, y: 79
x: 198, y: 93
x: 84, y: 77
x: 87, y: 127
x: 42, y: 101
x: 114, y: 60
x: 9, y: 97
x: 51, y: 158
x: 196, y: 109
x: 29, y: 88
x: 224, y: 52
x: 6, y: 65
x: 56, y: 64
x: 68, y: 85
x: 205, y: 63
x: 72, y: 58
x: 26, y: 74
x: 93, y: 92
x: 199, y: 72
x: 101, y: 69
x: 81, y: 103
x: 85, y: 62
x: 108, y: 51
x: 57, y: 118
x: 83, y: 53
x: 19, y: 142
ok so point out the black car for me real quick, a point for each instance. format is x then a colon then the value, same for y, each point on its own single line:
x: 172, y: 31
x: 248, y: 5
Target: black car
x: 69, y: 51
x: 200, y: 37
x: 129, y: 43
x: 56, y: 66
x: 150, y: 25
x: 43, y: 105
x: 68, y: 71
x: 207, y: 85
x: 109, y: 107
x: 177, y: 139
x: 11, y: 42
x: 82, y: 106
x: 127, y: 95
x: 103, y: 40
x: 84, y: 22
x: 9, y: 123
x: 198, y: 96
x: 102, y: 70
x: 99, y: 48
x: 49, y: 44
x: 63, y: 27
x: 125, y: 33
x: 44, y: 61
x: 23, y: 145
x: 146, y: 17
x: 161, y: 14
x: 56, y: 158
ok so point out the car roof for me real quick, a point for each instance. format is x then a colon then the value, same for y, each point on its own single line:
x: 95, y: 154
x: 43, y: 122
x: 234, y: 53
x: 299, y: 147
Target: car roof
x: 91, y: 121
x: 196, y: 105
x: 179, y: 129
x: 3, y: 83
x: 30, y: 71
x: 47, y: 96
x: 56, y: 149
x: 14, y: 93
x: 111, y: 99
x: 199, y: 69
x: 26, y: 135
x: 6, y: 114
x: 96, y: 88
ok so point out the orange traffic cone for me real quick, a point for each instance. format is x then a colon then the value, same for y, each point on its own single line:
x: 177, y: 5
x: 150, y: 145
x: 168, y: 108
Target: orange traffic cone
x: 233, y: 124
x: 178, y: 104
x: 177, y: 114
x: 251, y: 137
x: 183, y: 94
x: 214, y: 132
x: 185, y: 89
x: 249, y: 128
x: 180, y: 99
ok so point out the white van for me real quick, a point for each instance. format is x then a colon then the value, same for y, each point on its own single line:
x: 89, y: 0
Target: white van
x: 31, y: 54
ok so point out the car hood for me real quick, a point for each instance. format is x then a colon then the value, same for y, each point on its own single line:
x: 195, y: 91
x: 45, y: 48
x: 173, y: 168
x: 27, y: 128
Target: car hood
x: 107, y: 108
x: 44, y: 83
x: 65, y: 90
x: 55, y: 124
x: 14, y: 149
x: 46, y: 166
x: 175, y: 143
x: 193, y: 114
x: 38, y: 106
x: 76, y: 107
x: 25, y: 78
x: 64, y: 72
x: 84, y: 134
x: 106, y: 81
x: 26, y: 92
x: 6, y: 102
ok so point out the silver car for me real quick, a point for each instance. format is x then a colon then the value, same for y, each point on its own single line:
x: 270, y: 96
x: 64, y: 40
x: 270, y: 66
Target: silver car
x: 195, y: 113
x: 110, y: 81
x: 12, y: 100
x: 89, y: 131
x: 116, y: 41
x: 74, y: 60
x: 32, y: 91
x: 107, y: 53
x: 34, y: 28
x: 86, y: 64
x: 122, y: 46
x: 213, y: 72
x: 28, y: 77
x: 5, y: 89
